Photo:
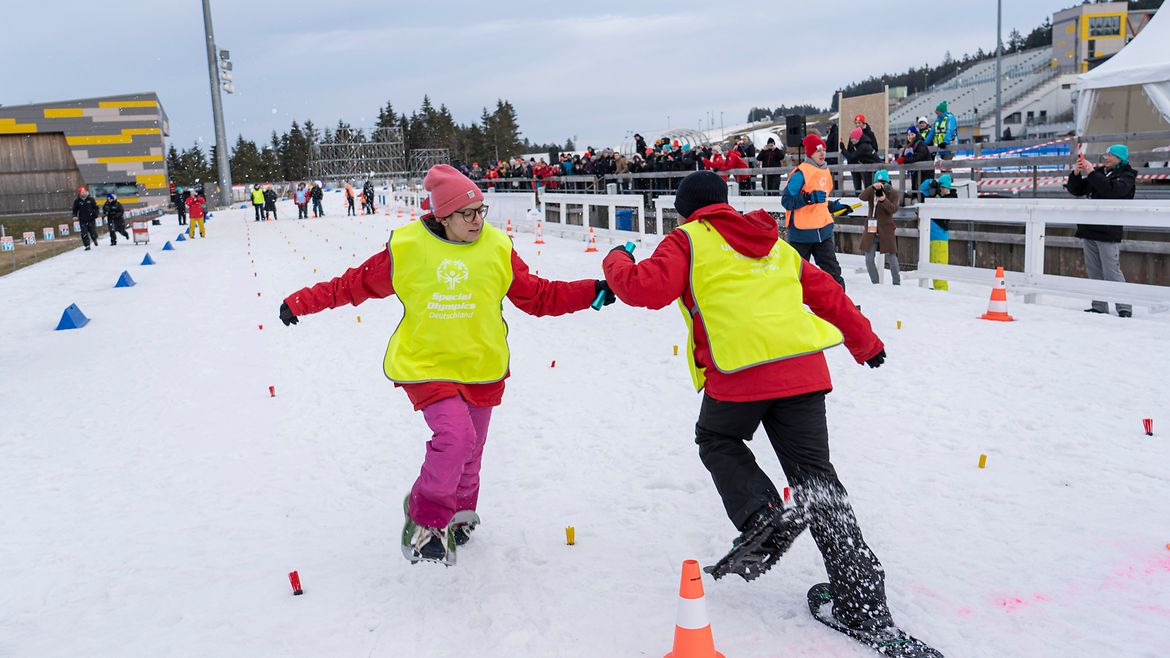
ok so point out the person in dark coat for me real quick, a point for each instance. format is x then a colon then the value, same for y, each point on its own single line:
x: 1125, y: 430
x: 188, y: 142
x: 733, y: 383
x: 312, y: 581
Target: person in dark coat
x: 1102, y: 244
x: 115, y: 216
x: 639, y: 143
x: 770, y: 156
x: 914, y: 151
x: 180, y: 200
x: 85, y: 212
x: 368, y: 197
x: 862, y: 149
x: 880, y: 229
x: 316, y: 194
x: 269, y: 203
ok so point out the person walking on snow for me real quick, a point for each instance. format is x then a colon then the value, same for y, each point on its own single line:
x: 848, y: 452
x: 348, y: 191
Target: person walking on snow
x: 301, y: 199
x: 349, y: 209
x: 195, y: 207
x: 181, y: 205
x: 368, y: 197
x: 315, y: 195
x: 1102, y: 244
x: 451, y: 272
x: 269, y: 203
x: 755, y: 353
x: 85, y: 212
x: 258, y: 201
x: 810, y: 212
x: 115, y: 216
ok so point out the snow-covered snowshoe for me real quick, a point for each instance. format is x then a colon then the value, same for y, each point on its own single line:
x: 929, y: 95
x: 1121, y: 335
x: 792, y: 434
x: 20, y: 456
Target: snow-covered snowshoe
x: 421, y: 543
x: 884, y: 638
x: 462, y: 525
x: 769, y: 534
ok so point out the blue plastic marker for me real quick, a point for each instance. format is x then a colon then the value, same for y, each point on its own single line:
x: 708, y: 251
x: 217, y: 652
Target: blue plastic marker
x: 600, y: 301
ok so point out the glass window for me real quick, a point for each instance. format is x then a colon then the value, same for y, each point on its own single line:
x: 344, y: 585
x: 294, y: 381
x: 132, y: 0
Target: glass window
x: 1104, y: 26
x: 123, y: 190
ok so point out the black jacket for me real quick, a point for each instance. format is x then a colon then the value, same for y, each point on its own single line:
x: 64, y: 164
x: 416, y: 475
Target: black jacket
x: 316, y: 194
x: 270, y: 199
x: 1116, y: 183
x: 770, y: 157
x: 114, y: 211
x: 864, y: 151
x: 85, y: 209
x: 920, y: 152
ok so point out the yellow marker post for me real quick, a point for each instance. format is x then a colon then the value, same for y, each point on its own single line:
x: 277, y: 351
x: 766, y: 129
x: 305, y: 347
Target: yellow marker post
x: 982, y: 461
x: 676, y: 350
x: 899, y: 324
x: 570, y: 533
x: 359, y: 318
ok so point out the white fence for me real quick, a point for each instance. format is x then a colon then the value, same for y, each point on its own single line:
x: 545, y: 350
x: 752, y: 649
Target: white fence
x: 1036, y: 215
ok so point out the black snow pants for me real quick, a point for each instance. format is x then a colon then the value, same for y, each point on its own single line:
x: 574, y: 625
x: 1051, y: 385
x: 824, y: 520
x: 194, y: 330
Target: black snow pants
x: 181, y: 211
x: 798, y: 430
x: 88, y: 231
x: 117, y: 226
x: 824, y: 254
x: 259, y: 208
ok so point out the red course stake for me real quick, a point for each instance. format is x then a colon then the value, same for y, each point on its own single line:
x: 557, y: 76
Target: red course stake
x: 554, y: 364
x: 295, y: 580
x: 272, y: 391
x: 1148, y: 423
x: 787, y: 495
x: 261, y: 327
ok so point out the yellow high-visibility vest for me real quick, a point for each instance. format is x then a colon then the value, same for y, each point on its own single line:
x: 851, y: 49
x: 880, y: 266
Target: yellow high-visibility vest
x: 452, y: 293
x: 752, y: 308
x: 257, y: 196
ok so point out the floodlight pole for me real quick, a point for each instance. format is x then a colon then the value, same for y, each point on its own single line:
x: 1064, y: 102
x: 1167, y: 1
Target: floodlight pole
x: 221, y: 146
x: 998, y: 72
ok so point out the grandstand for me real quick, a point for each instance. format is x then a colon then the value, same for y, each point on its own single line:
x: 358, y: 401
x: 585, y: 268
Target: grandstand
x: 970, y: 93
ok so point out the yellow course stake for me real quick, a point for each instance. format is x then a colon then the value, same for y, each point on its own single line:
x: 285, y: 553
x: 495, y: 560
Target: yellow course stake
x: 359, y: 318
x: 570, y: 533
x: 899, y: 324
x: 982, y: 461
x: 676, y: 350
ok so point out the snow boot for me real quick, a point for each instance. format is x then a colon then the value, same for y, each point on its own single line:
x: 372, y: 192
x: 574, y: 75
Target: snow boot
x: 462, y: 525
x: 767, y: 535
x: 422, y: 543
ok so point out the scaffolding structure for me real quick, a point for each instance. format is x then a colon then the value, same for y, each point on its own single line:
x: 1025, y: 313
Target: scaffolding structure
x: 421, y: 160
x: 348, y: 156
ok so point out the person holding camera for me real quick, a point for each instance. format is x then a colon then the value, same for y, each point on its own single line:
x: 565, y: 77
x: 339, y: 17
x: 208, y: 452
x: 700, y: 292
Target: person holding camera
x: 1102, y: 244
x: 880, y: 231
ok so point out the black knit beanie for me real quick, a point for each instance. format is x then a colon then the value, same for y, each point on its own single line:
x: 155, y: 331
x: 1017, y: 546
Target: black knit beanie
x: 698, y: 190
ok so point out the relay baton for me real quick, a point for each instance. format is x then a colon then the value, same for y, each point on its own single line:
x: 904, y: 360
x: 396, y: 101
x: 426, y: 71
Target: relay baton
x: 600, y: 300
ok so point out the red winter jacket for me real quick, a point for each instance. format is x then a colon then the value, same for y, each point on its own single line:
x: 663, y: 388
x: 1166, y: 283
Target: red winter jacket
x: 195, y: 206
x: 372, y: 280
x: 735, y: 161
x: 665, y: 276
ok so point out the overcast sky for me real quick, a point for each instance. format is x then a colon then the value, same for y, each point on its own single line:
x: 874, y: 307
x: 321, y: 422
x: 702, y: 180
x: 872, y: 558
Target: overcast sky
x: 596, y: 70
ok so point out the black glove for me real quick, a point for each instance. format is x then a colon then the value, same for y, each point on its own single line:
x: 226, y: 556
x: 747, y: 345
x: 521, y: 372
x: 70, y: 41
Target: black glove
x: 877, y: 360
x: 622, y: 249
x: 602, y: 285
x: 286, y: 315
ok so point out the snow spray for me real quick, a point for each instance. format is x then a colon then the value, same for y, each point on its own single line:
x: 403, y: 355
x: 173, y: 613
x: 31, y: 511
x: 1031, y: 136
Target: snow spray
x: 600, y: 301
x: 294, y: 579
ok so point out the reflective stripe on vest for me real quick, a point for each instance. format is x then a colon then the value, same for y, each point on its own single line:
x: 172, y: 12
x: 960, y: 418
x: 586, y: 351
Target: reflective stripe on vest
x: 452, y: 329
x: 813, y: 215
x: 752, y: 308
x: 940, y: 130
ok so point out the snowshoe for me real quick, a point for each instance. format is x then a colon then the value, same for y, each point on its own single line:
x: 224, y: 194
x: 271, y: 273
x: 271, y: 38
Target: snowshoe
x: 769, y: 535
x: 421, y: 543
x: 883, y: 637
x: 462, y: 525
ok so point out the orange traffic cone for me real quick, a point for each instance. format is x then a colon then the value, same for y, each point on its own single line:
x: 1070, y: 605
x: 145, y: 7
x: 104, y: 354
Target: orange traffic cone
x: 539, y: 234
x: 399, y: 212
x: 692, y: 629
x: 997, y: 307
x: 509, y: 229
x: 592, y: 246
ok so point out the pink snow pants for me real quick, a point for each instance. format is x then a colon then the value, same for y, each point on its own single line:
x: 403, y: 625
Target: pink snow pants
x: 449, y: 481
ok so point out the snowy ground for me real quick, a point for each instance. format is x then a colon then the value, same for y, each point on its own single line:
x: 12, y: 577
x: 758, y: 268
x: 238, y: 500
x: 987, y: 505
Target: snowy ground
x: 153, y: 496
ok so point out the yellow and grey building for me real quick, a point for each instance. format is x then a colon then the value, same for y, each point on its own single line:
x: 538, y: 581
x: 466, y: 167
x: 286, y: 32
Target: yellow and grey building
x: 109, y: 144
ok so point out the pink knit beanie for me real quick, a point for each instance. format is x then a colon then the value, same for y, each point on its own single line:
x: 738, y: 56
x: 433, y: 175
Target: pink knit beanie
x: 448, y: 190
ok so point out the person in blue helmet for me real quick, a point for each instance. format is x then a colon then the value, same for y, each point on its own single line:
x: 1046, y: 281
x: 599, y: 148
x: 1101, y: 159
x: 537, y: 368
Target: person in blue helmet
x: 940, y: 235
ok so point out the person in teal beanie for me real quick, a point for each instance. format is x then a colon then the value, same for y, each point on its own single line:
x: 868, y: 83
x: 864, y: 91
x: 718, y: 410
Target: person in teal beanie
x: 942, y: 134
x: 1101, y: 243
x: 940, y: 235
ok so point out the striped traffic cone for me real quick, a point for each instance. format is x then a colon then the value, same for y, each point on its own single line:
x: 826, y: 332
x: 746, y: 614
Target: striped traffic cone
x: 591, y: 248
x: 539, y: 234
x: 997, y: 307
x: 692, y: 628
x: 509, y: 229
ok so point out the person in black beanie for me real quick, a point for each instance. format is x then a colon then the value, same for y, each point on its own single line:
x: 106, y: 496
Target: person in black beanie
x: 702, y: 188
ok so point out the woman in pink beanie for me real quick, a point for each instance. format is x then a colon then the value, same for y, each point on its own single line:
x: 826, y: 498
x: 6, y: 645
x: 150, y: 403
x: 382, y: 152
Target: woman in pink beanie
x: 451, y: 272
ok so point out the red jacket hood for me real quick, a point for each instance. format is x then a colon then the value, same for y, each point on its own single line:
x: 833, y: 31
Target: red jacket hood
x: 752, y: 235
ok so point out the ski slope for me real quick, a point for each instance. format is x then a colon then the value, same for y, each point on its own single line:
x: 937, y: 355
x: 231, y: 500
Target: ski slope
x: 153, y: 495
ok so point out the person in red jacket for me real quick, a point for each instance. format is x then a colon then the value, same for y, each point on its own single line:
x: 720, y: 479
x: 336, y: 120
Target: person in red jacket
x: 756, y: 354
x: 195, y: 210
x: 735, y: 161
x: 450, y: 271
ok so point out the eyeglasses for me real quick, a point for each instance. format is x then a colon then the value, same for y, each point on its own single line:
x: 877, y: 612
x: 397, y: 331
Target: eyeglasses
x: 469, y: 215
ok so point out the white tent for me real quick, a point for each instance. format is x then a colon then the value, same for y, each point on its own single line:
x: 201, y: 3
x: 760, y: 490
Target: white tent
x: 1131, y: 91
